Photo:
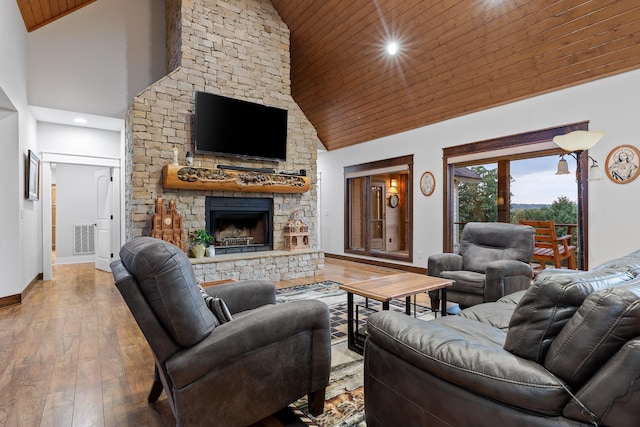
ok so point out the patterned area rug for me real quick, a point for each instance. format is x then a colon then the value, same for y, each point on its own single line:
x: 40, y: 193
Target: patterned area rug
x: 344, y: 405
x: 329, y: 293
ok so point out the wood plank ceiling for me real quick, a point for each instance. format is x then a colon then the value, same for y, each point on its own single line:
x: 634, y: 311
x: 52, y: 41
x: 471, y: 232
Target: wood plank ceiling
x: 37, y: 13
x: 455, y: 57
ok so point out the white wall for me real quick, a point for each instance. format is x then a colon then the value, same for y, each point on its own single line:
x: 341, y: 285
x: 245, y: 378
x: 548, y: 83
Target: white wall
x: 78, y: 141
x: 20, y: 218
x: 611, y: 104
x: 76, y: 203
x: 97, y: 58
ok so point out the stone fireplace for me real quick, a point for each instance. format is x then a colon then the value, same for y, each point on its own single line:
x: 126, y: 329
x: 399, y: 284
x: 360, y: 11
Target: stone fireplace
x: 240, y: 224
x: 239, y: 49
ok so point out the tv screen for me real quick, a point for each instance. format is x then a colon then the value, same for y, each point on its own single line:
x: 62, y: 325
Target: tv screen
x: 232, y: 127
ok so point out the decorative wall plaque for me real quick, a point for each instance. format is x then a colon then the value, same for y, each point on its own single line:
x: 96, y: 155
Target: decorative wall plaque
x: 622, y: 164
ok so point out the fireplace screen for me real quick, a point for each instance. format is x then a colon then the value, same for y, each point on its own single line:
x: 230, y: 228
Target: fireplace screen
x: 240, y: 224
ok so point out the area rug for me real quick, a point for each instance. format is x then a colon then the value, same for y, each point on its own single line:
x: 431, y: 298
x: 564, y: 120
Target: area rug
x: 344, y: 404
x: 330, y: 293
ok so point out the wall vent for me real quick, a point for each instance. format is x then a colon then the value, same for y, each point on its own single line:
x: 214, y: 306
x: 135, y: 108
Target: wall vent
x: 83, y: 238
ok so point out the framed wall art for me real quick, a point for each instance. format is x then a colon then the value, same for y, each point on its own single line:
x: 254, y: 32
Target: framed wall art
x: 32, y: 175
x: 622, y: 164
x: 427, y: 183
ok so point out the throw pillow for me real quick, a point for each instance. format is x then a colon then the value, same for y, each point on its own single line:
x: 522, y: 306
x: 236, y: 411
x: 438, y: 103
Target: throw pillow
x: 217, y: 306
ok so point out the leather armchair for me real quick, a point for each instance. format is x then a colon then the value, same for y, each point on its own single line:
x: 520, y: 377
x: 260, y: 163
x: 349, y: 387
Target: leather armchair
x: 493, y: 261
x: 230, y: 374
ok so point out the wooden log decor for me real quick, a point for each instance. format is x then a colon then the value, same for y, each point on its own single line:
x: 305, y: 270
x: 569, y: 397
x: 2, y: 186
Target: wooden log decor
x: 192, y: 178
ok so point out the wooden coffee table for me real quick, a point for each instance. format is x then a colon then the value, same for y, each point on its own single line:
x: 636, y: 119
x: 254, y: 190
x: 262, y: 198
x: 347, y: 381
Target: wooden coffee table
x: 384, y: 289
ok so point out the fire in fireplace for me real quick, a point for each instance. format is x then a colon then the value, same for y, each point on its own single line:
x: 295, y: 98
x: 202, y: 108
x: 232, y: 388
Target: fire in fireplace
x: 240, y: 224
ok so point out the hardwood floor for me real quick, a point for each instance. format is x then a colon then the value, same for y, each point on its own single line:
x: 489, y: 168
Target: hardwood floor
x: 72, y: 355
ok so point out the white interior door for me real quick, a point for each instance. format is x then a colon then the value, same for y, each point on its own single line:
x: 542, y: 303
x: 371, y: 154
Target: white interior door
x: 104, y: 191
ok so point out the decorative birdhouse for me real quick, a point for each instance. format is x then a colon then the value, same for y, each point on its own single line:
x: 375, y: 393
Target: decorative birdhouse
x: 296, y: 233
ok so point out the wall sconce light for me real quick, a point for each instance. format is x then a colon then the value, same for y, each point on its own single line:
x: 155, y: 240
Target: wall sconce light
x: 393, y: 186
x: 563, y: 166
x: 594, y: 170
x: 575, y: 143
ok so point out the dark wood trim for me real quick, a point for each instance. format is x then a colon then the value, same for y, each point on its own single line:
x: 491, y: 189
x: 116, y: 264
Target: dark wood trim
x: 501, y: 143
x: 583, y: 254
x: 22, y: 296
x: 409, y: 268
x: 378, y: 164
x: 366, y: 232
x: 512, y: 141
x: 447, y: 206
x: 504, y: 191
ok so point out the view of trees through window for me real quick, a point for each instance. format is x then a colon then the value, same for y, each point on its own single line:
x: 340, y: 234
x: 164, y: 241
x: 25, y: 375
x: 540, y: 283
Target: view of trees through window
x: 478, y: 199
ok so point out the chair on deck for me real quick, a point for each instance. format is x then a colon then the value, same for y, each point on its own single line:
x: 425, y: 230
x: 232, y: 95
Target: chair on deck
x: 549, y: 247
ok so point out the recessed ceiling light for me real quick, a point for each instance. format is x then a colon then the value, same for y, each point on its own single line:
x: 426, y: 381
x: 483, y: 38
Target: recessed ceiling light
x: 392, y: 48
x: 80, y: 120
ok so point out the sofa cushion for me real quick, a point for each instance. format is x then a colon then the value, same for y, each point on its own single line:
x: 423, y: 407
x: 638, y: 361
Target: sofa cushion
x: 550, y: 302
x: 166, y: 279
x: 602, y: 325
x: 469, y: 354
x: 496, y: 314
x: 630, y: 263
x: 513, y: 298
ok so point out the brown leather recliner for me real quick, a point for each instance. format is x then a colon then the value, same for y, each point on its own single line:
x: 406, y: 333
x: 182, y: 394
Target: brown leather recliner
x: 230, y: 374
x: 565, y: 352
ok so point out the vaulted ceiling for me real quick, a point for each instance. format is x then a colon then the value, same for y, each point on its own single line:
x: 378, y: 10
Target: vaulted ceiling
x: 37, y: 13
x: 455, y: 57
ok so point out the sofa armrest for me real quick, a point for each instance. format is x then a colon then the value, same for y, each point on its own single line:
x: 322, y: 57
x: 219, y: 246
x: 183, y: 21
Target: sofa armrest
x: 244, y: 295
x: 264, y: 327
x: 470, y: 354
x: 443, y: 262
x: 506, y: 276
x: 620, y: 378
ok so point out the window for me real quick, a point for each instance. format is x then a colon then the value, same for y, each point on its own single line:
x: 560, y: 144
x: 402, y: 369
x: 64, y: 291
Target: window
x: 497, y: 156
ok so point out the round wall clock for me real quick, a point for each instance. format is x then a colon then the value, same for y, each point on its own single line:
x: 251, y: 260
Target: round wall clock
x: 427, y: 183
x: 393, y: 200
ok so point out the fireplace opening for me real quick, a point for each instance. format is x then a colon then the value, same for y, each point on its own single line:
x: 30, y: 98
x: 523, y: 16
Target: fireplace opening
x: 240, y: 224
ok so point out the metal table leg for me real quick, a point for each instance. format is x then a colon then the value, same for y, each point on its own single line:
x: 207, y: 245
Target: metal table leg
x: 443, y: 300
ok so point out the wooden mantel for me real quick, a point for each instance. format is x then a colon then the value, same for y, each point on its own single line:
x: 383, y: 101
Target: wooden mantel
x: 195, y: 178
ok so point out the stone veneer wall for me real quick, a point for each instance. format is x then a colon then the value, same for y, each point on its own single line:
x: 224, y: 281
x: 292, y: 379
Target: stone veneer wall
x: 235, y: 48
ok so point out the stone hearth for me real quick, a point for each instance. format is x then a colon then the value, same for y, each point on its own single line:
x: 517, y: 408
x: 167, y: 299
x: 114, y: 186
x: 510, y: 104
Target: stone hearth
x: 271, y: 265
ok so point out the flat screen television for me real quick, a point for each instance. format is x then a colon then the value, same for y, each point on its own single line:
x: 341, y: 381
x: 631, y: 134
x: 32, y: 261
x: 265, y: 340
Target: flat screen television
x: 235, y: 128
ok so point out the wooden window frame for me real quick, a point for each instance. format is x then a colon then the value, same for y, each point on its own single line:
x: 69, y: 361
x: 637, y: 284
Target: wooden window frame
x: 492, y: 147
x: 373, y: 166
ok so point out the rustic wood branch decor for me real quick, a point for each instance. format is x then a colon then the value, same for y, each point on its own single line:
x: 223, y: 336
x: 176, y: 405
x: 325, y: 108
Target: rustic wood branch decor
x: 192, y: 178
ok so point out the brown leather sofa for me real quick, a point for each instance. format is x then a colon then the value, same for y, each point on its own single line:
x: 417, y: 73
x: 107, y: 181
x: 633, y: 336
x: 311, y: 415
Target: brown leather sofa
x: 565, y: 352
x: 229, y: 374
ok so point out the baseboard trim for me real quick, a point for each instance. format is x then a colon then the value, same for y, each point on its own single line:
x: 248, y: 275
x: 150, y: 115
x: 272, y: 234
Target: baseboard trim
x: 22, y: 296
x: 409, y: 268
